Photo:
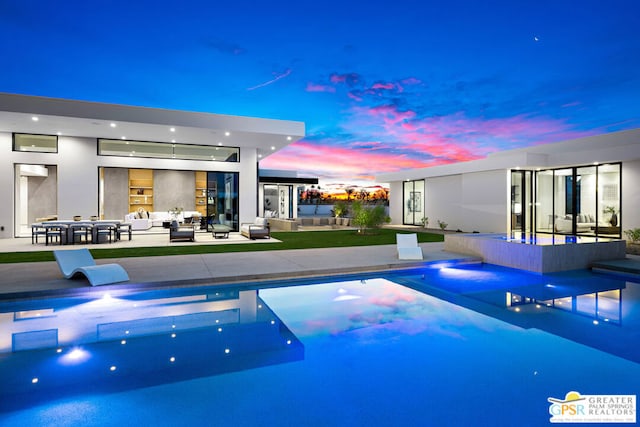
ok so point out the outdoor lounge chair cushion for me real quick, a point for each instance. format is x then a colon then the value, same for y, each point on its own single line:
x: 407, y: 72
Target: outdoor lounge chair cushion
x: 80, y: 262
x: 408, y: 246
x: 176, y: 232
x: 258, y: 228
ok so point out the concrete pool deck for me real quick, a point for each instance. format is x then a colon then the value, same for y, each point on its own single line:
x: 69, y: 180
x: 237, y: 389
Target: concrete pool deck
x: 43, y: 279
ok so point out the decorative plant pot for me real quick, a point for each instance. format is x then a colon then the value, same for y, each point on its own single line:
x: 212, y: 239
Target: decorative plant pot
x: 77, y: 218
x: 94, y: 218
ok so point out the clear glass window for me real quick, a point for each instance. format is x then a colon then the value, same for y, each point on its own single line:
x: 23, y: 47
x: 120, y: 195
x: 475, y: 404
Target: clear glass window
x: 114, y: 147
x: 35, y: 143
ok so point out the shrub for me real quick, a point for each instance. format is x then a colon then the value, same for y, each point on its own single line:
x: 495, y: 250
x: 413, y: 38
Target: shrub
x: 442, y: 225
x: 425, y: 221
x: 633, y: 235
x: 339, y: 209
x: 368, y: 217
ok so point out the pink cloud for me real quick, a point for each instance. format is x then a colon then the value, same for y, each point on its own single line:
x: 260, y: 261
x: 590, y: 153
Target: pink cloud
x: 411, y: 81
x: 457, y: 137
x: 390, y: 114
x: 337, y: 78
x: 387, y: 86
x: 353, y: 96
x: 326, y: 160
x: 312, y: 87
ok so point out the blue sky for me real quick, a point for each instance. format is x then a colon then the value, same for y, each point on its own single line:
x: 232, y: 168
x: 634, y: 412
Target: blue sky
x: 382, y: 86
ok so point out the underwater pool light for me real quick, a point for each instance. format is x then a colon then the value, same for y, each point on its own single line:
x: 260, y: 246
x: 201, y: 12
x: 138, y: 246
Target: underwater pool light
x: 75, y: 356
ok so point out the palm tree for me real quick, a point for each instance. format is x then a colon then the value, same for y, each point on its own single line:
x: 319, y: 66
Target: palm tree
x: 349, y: 191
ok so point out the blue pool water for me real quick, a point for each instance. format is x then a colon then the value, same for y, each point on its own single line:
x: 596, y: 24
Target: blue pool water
x: 441, y: 345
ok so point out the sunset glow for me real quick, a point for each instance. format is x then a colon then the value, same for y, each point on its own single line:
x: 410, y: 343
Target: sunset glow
x: 379, y: 89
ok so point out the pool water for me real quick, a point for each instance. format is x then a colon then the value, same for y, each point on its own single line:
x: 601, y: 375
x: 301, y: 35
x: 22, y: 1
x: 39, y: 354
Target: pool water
x: 426, y: 347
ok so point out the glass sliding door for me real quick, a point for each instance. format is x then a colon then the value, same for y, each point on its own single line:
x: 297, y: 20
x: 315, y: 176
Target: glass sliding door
x: 277, y: 201
x: 521, y: 201
x: 563, y: 196
x: 545, y: 221
x: 609, y: 201
x: 582, y: 200
x: 586, y: 203
x: 270, y: 201
x: 222, y: 198
x: 413, y: 206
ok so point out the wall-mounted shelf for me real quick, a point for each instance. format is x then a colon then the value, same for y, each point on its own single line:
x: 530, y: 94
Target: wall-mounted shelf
x: 140, y: 189
x: 201, y: 192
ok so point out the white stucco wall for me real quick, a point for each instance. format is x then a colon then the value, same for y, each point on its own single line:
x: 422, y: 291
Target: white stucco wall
x: 6, y: 186
x: 630, y: 195
x: 468, y: 202
x: 395, y: 202
x: 248, y: 203
x: 77, y: 164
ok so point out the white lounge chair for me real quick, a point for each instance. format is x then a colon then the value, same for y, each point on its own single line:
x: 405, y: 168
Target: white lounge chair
x: 408, y: 246
x: 79, y: 261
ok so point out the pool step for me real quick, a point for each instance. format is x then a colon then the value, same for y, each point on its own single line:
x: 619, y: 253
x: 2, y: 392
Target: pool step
x: 627, y: 267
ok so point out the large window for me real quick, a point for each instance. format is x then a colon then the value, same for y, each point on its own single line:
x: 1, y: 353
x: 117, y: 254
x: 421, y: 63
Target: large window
x: 222, y: 198
x: 413, y: 196
x: 277, y: 201
x: 521, y: 203
x: 581, y: 200
x: 115, y: 147
x: 35, y: 143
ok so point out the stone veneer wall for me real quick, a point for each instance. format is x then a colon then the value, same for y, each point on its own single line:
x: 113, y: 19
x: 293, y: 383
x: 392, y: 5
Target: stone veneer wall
x: 116, y: 193
x: 173, y: 188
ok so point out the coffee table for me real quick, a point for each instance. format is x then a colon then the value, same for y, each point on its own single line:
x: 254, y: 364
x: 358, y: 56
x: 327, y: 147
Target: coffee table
x: 220, y: 231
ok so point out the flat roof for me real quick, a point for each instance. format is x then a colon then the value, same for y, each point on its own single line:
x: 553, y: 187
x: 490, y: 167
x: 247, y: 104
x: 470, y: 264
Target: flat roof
x: 604, y: 148
x: 93, y: 120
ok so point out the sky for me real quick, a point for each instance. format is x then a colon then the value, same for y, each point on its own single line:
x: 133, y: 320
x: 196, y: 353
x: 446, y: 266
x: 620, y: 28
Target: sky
x: 381, y: 86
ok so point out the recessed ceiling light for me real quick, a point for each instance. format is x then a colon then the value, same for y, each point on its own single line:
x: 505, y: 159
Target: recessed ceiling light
x: 259, y: 156
x: 112, y: 125
x: 58, y: 133
x: 34, y: 118
x: 273, y: 148
x: 219, y: 143
x: 288, y: 138
x: 172, y: 129
x: 173, y: 140
x: 227, y: 133
x: 122, y: 137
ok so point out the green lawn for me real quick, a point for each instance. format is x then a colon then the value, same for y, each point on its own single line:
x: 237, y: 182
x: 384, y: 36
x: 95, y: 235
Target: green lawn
x: 289, y: 240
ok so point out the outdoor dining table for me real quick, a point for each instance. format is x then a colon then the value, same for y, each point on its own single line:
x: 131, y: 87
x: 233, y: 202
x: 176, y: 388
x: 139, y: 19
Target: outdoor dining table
x: 66, y: 232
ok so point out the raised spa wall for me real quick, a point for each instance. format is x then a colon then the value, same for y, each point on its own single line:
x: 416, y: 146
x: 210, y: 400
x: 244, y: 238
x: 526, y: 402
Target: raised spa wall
x: 546, y: 258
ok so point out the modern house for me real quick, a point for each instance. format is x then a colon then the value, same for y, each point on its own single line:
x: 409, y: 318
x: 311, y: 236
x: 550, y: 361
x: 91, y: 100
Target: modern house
x: 279, y: 192
x: 64, y: 158
x: 586, y: 186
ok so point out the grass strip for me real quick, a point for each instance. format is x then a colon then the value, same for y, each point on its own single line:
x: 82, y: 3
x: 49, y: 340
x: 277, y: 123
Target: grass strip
x: 288, y: 240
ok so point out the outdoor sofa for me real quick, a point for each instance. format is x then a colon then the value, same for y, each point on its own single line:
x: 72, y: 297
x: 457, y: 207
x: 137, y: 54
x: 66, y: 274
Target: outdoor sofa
x: 259, y: 228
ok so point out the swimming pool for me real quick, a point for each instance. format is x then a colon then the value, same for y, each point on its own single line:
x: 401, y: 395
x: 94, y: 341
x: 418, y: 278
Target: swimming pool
x: 440, y: 345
